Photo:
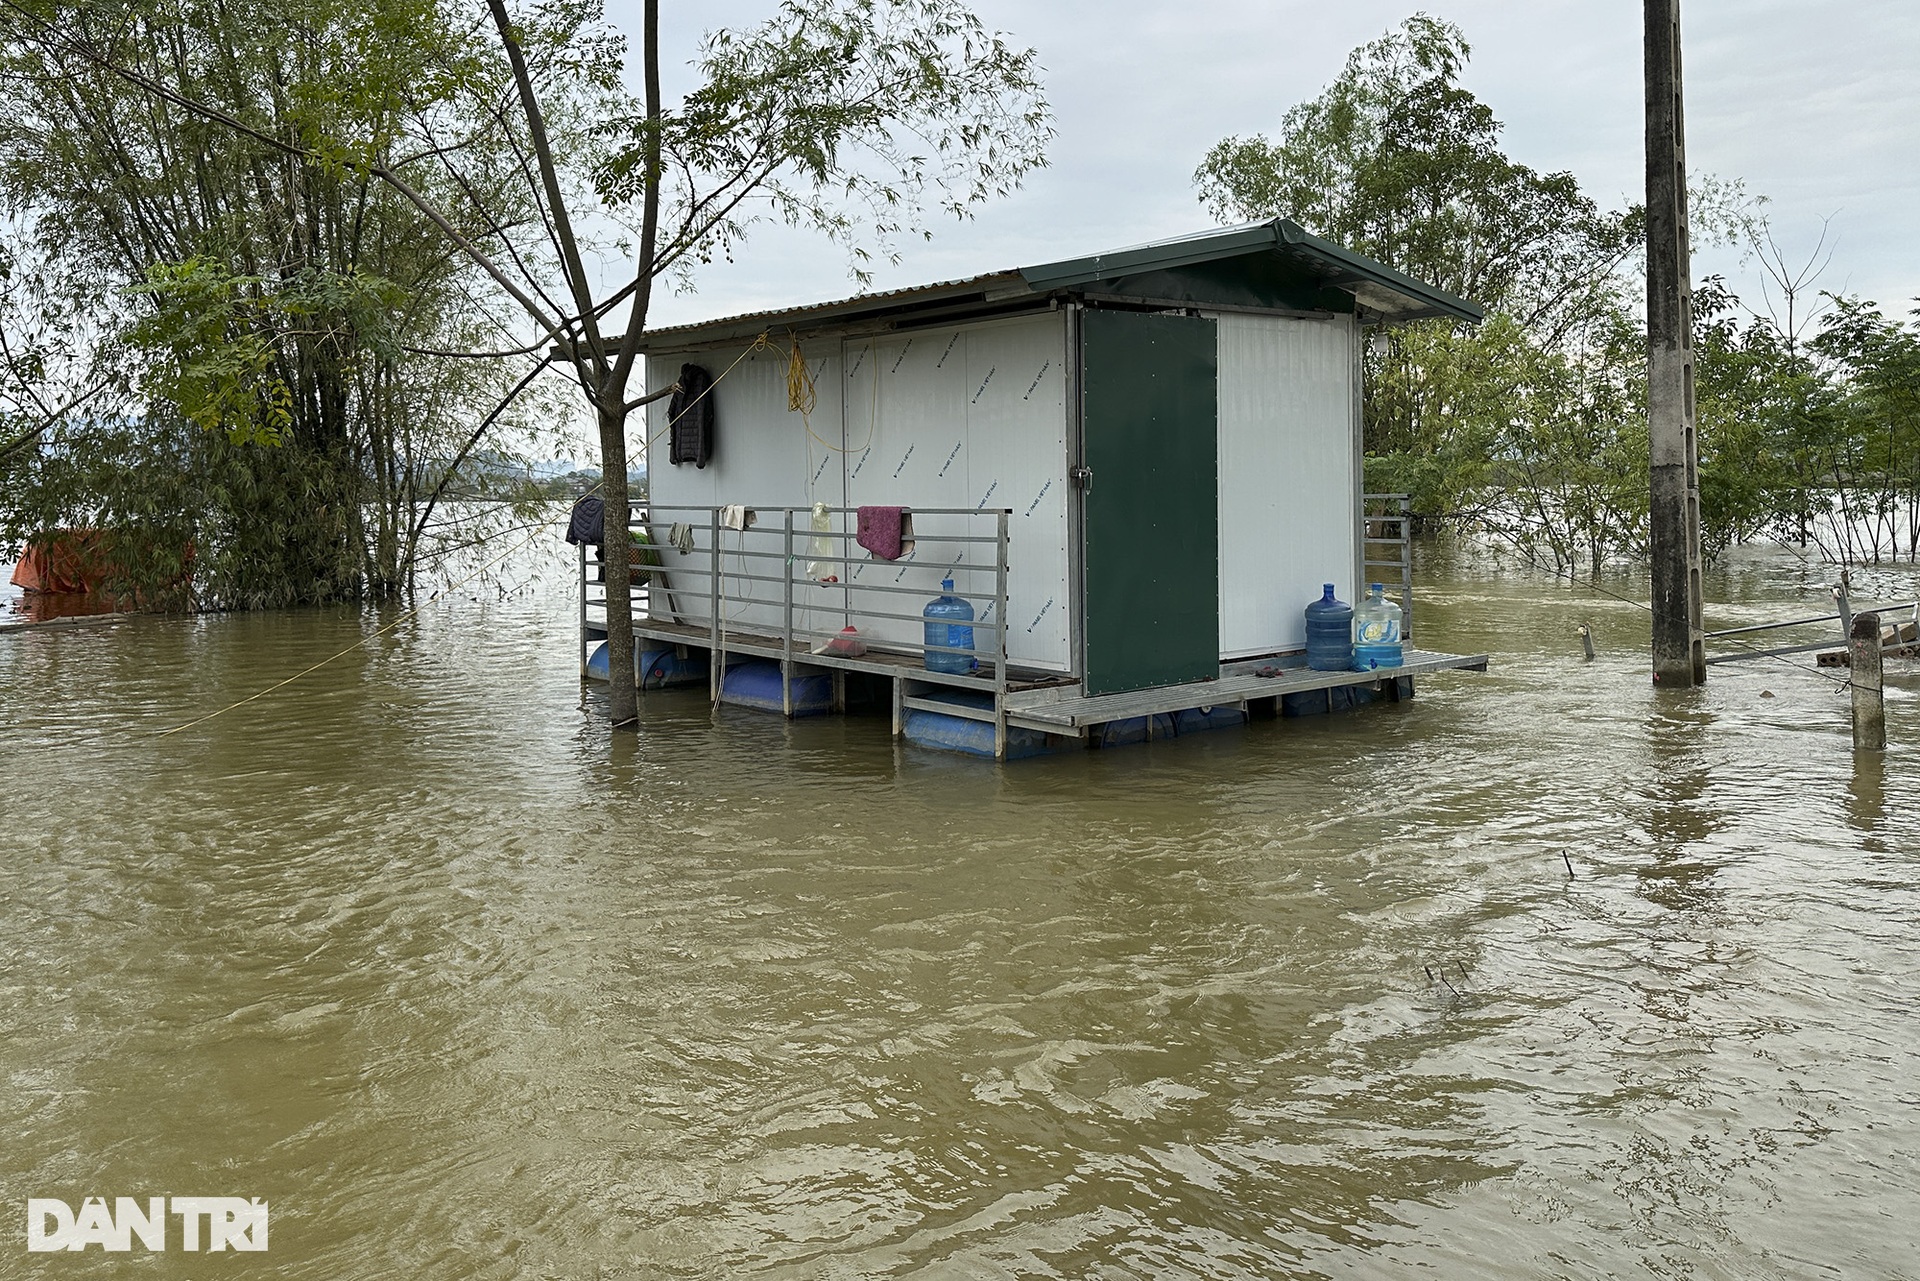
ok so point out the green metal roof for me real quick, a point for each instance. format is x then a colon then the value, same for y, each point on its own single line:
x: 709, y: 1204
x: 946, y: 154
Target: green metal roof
x: 1391, y: 294
x: 1275, y: 265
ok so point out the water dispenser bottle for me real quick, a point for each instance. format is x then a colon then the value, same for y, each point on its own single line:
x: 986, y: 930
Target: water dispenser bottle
x: 1329, y: 634
x: 1376, y: 631
x: 949, y: 623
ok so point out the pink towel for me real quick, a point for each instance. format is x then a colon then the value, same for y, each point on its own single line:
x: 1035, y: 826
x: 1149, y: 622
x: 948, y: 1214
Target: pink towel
x: 887, y: 532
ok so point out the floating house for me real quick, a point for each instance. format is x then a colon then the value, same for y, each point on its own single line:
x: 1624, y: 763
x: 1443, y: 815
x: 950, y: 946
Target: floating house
x: 1137, y: 467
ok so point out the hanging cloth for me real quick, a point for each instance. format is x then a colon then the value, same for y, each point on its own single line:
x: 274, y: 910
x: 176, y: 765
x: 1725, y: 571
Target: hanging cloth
x: 690, y: 418
x: 887, y: 532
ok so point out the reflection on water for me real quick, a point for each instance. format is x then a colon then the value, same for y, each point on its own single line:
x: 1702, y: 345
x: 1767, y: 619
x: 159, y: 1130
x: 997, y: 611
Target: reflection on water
x: 468, y: 988
x: 17, y: 606
x: 1867, y: 800
x: 1680, y: 817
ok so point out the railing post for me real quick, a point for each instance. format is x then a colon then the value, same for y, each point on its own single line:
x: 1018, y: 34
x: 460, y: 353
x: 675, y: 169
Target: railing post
x: 1869, y: 698
x: 583, y: 617
x: 1000, y: 638
x: 1406, y: 568
x: 786, y: 626
x: 1844, y: 605
x: 717, y: 667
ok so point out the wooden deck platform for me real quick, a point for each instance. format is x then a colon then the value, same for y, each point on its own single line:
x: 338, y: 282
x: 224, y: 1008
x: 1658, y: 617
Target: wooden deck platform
x: 1065, y: 710
x: 1052, y: 703
x: 878, y: 662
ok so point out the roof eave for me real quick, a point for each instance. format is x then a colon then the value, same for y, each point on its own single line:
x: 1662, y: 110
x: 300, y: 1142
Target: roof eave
x: 1080, y: 271
x: 1395, y: 296
x: 1420, y: 300
x: 986, y: 290
x: 1429, y: 301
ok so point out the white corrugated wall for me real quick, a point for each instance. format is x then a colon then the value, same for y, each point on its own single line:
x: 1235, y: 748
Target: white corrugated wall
x: 970, y: 416
x: 1287, y: 486
x: 765, y: 456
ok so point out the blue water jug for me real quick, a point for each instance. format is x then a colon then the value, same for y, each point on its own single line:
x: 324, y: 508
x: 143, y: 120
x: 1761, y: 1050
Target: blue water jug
x: 1376, y: 632
x: 945, y: 616
x: 1330, y: 634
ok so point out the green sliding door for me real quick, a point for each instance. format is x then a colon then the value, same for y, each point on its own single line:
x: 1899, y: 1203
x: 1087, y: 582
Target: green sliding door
x: 1150, y: 438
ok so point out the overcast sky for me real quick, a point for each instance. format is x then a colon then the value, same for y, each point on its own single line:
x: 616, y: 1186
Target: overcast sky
x: 1815, y: 105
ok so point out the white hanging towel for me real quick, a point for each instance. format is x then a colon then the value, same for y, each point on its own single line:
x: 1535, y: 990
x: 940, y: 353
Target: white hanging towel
x: 738, y: 516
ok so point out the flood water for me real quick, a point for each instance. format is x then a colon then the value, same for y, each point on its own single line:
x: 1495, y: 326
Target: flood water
x: 1542, y: 974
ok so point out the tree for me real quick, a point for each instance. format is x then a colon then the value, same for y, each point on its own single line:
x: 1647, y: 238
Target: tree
x: 1506, y: 425
x: 1876, y: 362
x: 1397, y: 160
x: 848, y: 116
x: 304, y: 321
x: 1808, y: 439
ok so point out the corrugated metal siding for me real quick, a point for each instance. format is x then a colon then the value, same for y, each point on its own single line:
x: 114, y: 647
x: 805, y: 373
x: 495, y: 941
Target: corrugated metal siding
x: 763, y: 457
x: 1287, y: 518
x: 970, y: 416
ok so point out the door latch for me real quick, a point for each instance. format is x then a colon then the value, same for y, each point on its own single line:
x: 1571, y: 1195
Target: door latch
x: 1081, y: 476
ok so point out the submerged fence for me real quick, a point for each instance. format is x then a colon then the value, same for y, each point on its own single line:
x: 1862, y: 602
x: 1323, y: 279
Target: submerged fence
x: 1904, y: 635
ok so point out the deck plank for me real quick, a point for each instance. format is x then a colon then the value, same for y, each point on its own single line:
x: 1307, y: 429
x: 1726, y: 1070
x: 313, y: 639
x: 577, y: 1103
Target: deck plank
x: 879, y: 662
x: 1070, y: 712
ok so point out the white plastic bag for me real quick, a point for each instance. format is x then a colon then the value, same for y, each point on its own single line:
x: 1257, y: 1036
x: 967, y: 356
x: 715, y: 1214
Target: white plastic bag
x: 821, y: 568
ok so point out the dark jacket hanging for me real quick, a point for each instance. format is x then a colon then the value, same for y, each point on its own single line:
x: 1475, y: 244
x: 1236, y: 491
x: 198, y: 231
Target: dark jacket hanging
x: 690, y: 415
x: 588, y: 522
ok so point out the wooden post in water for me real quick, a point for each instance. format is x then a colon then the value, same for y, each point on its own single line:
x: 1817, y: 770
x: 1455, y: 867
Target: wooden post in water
x: 1679, y: 650
x: 1869, y: 699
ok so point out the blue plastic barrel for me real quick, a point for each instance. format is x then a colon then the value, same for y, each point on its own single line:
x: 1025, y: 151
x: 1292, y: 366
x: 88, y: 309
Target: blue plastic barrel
x: 1329, y: 634
x: 945, y: 615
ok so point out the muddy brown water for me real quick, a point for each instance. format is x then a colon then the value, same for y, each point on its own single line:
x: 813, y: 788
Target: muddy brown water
x: 467, y: 987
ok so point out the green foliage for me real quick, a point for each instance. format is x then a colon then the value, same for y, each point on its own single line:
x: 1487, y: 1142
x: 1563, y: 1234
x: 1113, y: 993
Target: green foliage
x: 1543, y: 447
x: 1532, y: 425
x: 1400, y: 162
x: 1814, y: 443
x: 219, y: 336
x: 283, y: 305
x: 1876, y: 364
x: 191, y: 516
x: 294, y: 217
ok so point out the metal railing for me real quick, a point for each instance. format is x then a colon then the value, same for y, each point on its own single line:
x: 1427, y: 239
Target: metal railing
x: 1905, y: 634
x: 1386, y: 542
x: 768, y: 583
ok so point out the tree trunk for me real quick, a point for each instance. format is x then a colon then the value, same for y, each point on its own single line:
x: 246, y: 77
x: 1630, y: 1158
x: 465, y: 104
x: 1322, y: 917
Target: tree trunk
x: 623, y: 704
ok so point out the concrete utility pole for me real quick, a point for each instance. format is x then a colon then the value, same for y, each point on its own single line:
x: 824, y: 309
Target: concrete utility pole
x: 1869, y: 698
x: 1679, y: 652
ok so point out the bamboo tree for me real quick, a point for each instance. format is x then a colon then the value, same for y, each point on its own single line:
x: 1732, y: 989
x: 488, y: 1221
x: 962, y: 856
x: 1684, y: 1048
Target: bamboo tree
x: 848, y: 116
x: 271, y: 298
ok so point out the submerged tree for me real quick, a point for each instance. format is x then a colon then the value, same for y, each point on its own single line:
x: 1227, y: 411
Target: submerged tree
x: 1876, y: 364
x: 281, y: 336
x: 853, y: 117
x: 1809, y: 440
